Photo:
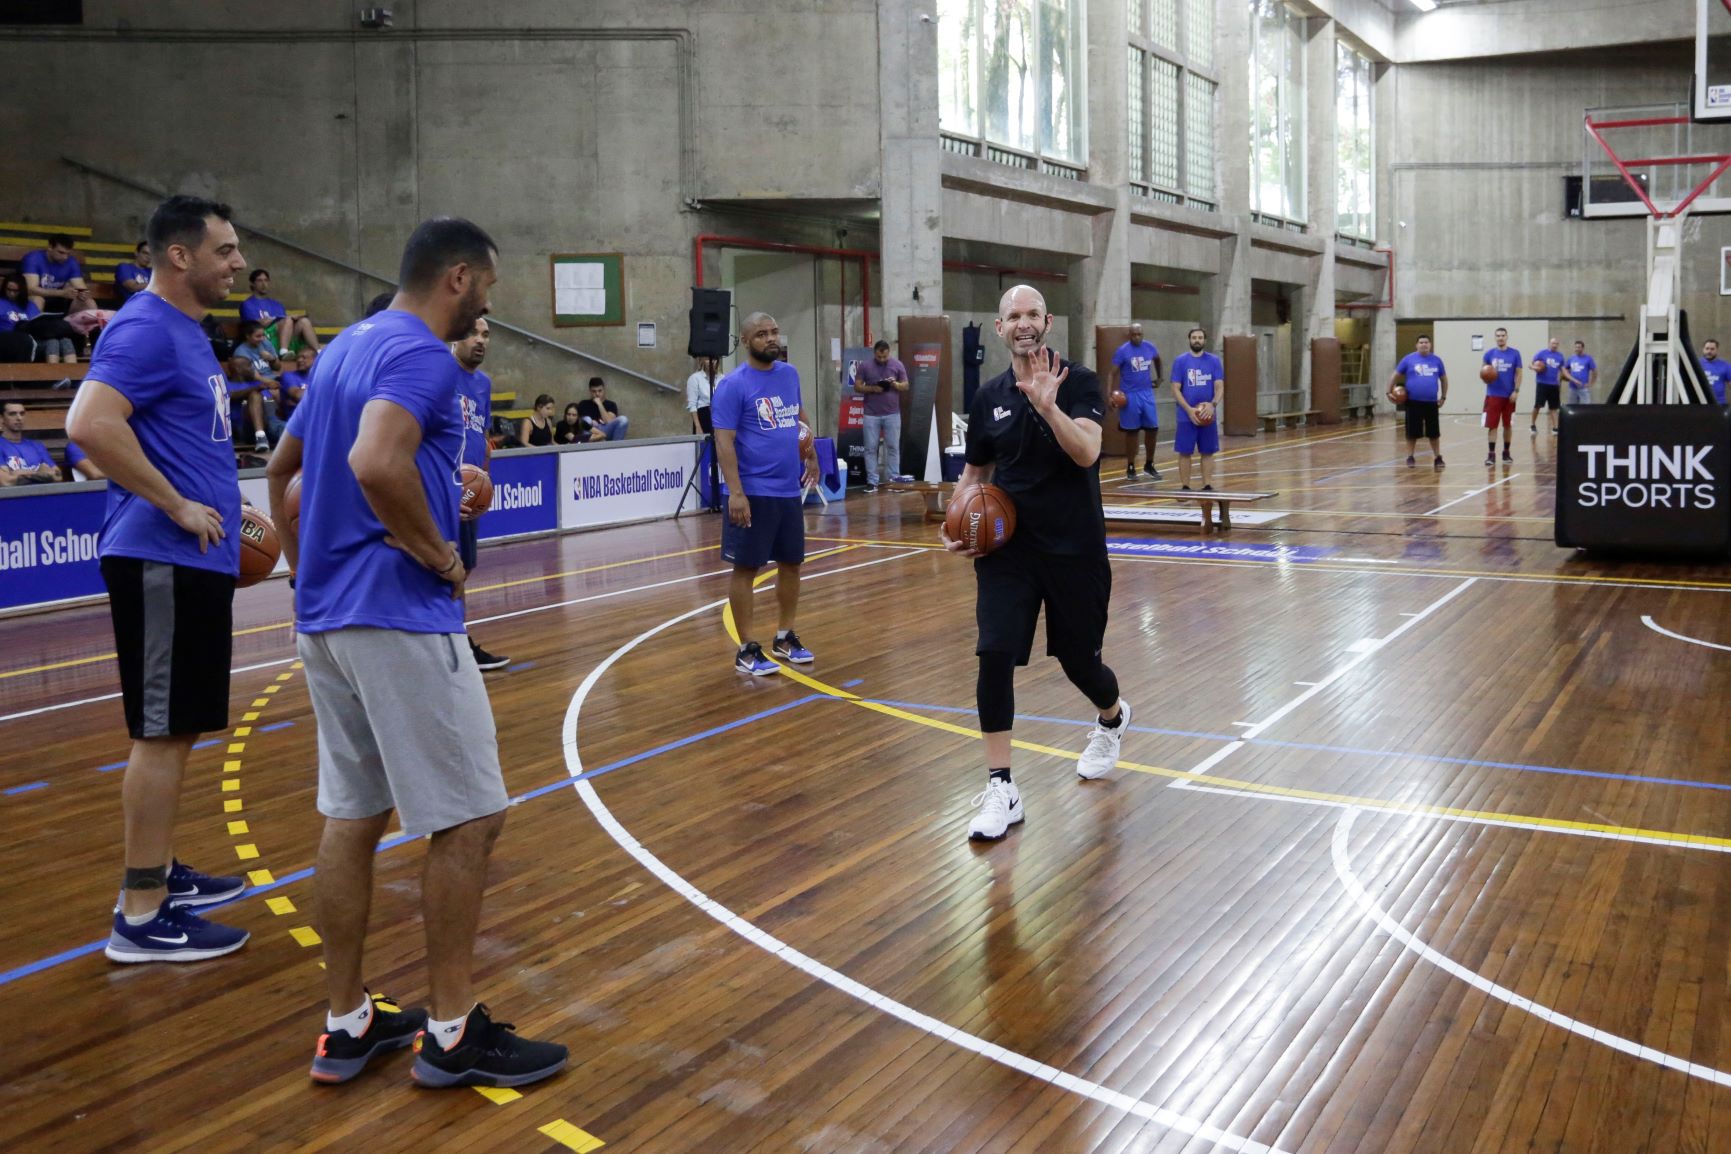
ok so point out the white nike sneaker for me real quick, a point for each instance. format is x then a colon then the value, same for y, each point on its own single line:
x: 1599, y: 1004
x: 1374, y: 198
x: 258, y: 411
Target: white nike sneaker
x: 1101, y: 755
x: 1000, y: 805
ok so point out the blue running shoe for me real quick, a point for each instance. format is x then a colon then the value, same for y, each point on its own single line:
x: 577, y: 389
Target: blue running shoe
x: 789, y: 649
x: 188, y: 887
x: 173, y: 935
x: 750, y: 659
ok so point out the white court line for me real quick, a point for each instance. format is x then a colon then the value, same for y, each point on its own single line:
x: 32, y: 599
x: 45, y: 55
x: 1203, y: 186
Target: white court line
x: 112, y: 696
x: 833, y: 978
x: 1343, y: 870
x: 1474, y: 493
x: 1657, y: 628
x: 1515, y: 579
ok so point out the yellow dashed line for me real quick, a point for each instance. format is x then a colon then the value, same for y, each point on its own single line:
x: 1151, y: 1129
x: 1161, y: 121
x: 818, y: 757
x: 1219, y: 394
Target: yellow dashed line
x: 231, y: 767
x: 498, y: 1095
x: 272, y: 688
x: 252, y: 716
x: 284, y: 676
x: 246, y: 852
x: 236, y: 827
x: 570, y: 1136
x: 232, y: 804
x: 260, y: 702
x: 305, y: 935
x: 237, y: 747
x: 232, y: 785
x: 243, y: 731
x: 280, y: 906
x: 261, y: 877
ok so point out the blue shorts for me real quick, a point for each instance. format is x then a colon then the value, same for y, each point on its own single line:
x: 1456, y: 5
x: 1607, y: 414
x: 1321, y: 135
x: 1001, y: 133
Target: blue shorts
x: 1191, y: 438
x: 776, y: 533
x: 469, y: 544
x: 1138, y: 411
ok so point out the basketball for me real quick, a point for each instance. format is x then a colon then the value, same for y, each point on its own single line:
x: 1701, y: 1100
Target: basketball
x: 981, y: 516
x: 806, y: 443
x: 1205, y: 413
x: 1488, y: 373
x: 1118, y: 399
x: 1398, y: 394
x: 259, y: 548
x: 291, y: 504
x: 477, y: 491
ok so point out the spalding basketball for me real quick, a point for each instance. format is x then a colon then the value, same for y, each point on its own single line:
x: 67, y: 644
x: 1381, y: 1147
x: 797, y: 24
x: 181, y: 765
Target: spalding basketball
x: 477, y: 491
x: 291, y: 504
x: 259, y: 548
x: 1488, y: 373
x: 1205, y: 413
x: 805, y: 440
x: 1118, y: 399
x: 981, y: 516
x: 1398, y: 394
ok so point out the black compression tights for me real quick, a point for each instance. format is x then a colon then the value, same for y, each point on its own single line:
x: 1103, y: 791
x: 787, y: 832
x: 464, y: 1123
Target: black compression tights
x: 995, y: 690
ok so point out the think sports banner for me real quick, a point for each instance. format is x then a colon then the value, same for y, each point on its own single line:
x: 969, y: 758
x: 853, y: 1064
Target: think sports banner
x: 1645, y: 479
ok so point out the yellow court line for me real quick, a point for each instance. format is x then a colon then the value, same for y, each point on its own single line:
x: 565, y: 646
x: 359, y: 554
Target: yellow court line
x: 571, y: 1137
x: 1252, y: 788
x: 288, y: 624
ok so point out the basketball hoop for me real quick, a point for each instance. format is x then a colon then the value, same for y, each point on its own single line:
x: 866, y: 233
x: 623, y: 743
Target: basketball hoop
x: 1601, y: 121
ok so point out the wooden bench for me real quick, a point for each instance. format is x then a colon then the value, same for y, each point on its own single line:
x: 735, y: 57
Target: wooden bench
x: 1206, y: 502
x: 1273, y: 421
x: 935, y: 493
x: 21, y: 375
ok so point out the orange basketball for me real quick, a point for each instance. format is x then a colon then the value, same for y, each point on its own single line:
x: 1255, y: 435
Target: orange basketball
x: 1398, y: 394
x: 1118, y: 400
x: 291, y: 504
x: 259, y: 548
x: 477, y: 491
x: 1488, y: 373
x: 1205, y: 413
x: 981, y: 516
x: 806, y: 444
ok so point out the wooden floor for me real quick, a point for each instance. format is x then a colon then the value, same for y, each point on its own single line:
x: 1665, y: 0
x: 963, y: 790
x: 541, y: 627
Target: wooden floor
x: 1419, y: 845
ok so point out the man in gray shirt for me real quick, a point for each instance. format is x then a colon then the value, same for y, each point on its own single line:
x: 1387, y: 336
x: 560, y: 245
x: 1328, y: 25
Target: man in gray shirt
x: 882, y: 381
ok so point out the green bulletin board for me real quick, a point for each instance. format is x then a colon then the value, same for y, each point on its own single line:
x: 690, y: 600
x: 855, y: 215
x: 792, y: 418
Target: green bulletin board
x: 588, y: 288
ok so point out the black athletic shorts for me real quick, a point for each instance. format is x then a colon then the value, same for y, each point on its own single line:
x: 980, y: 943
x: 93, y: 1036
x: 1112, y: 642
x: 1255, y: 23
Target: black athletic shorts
x: 1015, y: 582
x: 174, y: 636
x: 469, y: 544
x: 776, y: 533
x: 1546, y: 397
x: 1422, y: 420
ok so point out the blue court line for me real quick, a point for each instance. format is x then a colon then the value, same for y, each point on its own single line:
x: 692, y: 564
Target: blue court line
x: 208, y: 744
x: 519, y: 665
x: 1684, y: 782
x: 274, y: 728
x: 25, y: 788
x: 1360, y: 469
x: 111, y: 767
x: 566, y: 782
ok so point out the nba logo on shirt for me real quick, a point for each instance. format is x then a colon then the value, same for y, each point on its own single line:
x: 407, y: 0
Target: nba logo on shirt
x: 765, y: 413
x: 219, y: 426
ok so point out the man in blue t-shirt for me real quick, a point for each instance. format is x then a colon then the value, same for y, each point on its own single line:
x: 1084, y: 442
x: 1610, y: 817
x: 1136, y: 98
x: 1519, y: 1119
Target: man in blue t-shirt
x: 1198, y: 378
x: 475, y: 397
x: 22, y: 461
x: 52, y: 276
x: 1547, y: 375
x: 1714, y: 371
x: 1581, y: 372
x: 1500, y: 392
x: 133, y: 277
x: 756, y: 411
x: 153, y: 415
x: 1136, y: 366
x: 282, y: 329
x: 1427, y: 387
x: 403, y: 717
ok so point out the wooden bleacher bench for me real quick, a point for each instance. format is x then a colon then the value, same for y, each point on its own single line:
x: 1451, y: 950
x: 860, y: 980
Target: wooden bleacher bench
x: 935, y: 493
x: 1206, y: 502
x: 1273, y: 421
x: 19, y: 375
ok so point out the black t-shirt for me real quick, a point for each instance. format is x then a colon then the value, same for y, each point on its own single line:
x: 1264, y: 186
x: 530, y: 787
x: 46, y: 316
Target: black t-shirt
x: 592, y: 411
x: 1057, y: 500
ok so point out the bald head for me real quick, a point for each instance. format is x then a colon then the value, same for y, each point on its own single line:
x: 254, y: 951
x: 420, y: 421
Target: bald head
x: 1023, y: 321
x: 761, y: 337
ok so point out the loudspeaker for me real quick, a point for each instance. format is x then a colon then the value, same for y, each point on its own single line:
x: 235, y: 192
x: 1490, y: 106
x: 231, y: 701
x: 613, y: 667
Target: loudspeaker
x: 711, y: 310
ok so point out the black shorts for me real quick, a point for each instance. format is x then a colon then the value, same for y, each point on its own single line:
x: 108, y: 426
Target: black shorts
x: 469, y: 544
x: 1546, y: 397
x: 1013, y: 585
x: 777, y: 533
x: 174, y: 637
x: 1422, y: 419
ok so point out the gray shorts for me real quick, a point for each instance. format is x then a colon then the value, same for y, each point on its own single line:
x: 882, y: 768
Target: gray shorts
x: 404, y: 722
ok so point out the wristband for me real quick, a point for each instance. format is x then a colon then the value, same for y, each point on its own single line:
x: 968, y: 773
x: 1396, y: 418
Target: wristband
x: 454, y: 559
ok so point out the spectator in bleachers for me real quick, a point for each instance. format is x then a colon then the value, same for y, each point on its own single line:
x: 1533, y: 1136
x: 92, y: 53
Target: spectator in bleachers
x: 380, y: 303
x: 255, y: 346
x: 273, y: 314
x: 603, y: 414
x: 83, y: 468
x: 132, y: 276
x: 571, y: 430
x: 49, y: 334
x: 53, y: 274
x: 22, y: 461
x: 246, y: 397
x: 537, y: 427
x: 292, y: 385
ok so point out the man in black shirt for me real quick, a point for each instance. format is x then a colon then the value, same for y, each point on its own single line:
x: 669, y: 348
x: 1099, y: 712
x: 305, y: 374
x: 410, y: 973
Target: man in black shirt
x: 600, y: 415
x: 1034, y: 431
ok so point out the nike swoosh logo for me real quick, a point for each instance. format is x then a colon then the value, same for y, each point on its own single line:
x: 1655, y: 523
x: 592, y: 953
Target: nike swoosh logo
x: 180, y: 941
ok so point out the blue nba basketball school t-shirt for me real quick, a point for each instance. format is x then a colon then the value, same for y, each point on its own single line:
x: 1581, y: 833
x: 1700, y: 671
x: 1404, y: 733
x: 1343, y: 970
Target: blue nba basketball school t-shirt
x: 1135, y: 365
x: 1195, y: 374
x: 348, y: 575
x: 475, y: 396
x: 159, y: 358
x: 1717, y: 372
x: 1505, y: 362
x: 51, y: 273
x: 761, y: 406
x: 1545, y: 366
x: 1424, y: 374
x: 1582, y: 368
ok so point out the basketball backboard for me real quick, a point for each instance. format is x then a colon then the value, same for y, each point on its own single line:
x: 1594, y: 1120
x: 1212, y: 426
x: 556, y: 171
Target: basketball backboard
x: 1712, y: 95
x: 1655, y: 160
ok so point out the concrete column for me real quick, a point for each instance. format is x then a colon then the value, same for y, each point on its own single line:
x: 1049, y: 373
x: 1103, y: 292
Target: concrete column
x: 1322, y: 194
x: 911, y: 244
x: 1384, y: 108
x: 1226, y: 298
x: 1100, y: 282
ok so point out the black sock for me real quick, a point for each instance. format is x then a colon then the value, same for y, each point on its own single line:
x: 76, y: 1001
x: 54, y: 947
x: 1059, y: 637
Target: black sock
x: 1002, y: 775
x: 1115, y: 722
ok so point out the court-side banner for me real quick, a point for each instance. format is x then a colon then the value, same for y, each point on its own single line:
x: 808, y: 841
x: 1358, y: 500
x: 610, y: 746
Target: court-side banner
x: 525, y: 496
x: 635, y: 483
x: 48, y: 547
x: 1652, y: 480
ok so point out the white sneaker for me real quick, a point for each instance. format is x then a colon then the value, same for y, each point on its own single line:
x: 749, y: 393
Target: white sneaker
x: 1101, y: 755
x: 1000, y: 805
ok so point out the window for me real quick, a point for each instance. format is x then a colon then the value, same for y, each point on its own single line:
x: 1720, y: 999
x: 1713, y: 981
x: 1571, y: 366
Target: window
x: 1171, y: 106
x: 1277, y: 113
x: 1354, y: 77
x: 1013, y: 81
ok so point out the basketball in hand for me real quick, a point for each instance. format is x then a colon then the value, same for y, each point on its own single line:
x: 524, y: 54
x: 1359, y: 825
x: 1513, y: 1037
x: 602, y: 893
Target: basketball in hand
x: 1398, y: 394
x: 1488, y: 373
x: 477, y: 491
x: 291, y: 504
x: 982, y: 517
x: 1205, y: 413
x: 806, y: 443
x: 1118, y: 399
x: 259, y: 548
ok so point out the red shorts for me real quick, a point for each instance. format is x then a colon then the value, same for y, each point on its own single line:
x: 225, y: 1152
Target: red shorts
x: 1499, y: 411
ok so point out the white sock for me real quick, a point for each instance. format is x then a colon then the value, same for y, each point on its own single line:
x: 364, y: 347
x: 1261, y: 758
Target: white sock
x: 355, y: 1021
x: 446, y: 1033
x: 781, y: 634
x: 142, y: 919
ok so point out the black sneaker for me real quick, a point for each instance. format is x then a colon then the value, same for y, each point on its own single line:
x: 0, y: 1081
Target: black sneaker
x: 1208, y: 488
x: 486, y: 660
x: 1151, y: 472
x: 1508, y: 457
x: 340, y: 1055
x: 1410, y: 461
x: 1438, y: 464
x: 487, y: 1053
x: 871, y: 489
x: 1130, y: 473
x: 1491, y: 457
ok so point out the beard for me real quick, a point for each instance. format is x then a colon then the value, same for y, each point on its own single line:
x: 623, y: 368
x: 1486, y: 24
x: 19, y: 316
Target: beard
x: 470, y: 309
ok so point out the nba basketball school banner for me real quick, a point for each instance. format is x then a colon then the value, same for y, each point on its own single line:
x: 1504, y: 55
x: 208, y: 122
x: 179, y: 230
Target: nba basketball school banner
x: 634, y: 482
x: 48, y: 547
x: 524, y: 497
x: 1645, y: 479
x: 850, y: 414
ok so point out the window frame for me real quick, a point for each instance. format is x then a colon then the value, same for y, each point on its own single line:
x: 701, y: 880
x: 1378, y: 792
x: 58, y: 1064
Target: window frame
x: 1145, y: 51
x: 1292, y: 84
